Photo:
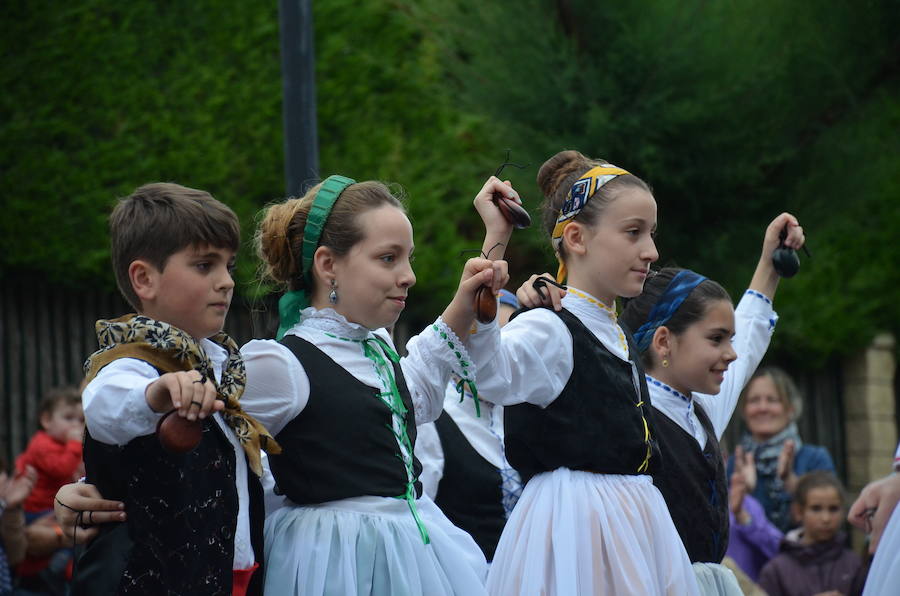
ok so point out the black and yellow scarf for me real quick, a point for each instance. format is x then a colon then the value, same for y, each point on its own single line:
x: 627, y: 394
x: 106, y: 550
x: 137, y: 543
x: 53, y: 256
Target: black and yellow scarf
x: 170, y: 349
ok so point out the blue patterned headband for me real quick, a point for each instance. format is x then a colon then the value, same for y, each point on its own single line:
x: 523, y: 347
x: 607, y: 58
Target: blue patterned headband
x: 668, y: 304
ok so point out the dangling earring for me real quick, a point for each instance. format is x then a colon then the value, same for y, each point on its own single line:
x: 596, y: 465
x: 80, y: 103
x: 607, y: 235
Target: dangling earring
x: 665, y: 363
x: 332, y: 296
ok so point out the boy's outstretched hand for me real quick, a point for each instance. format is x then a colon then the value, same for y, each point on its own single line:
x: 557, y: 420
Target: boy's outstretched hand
x: 189, y: 392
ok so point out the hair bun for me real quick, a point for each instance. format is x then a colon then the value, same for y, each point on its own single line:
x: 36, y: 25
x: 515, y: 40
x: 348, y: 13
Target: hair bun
x: 556, y: 169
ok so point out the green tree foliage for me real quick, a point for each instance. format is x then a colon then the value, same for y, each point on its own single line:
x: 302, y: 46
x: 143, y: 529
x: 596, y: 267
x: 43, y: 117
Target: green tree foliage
x: 733, y: 111
x: 103, y: 96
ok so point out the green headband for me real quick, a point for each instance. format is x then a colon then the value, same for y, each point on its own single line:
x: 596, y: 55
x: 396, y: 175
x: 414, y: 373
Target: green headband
x: 290, y: 305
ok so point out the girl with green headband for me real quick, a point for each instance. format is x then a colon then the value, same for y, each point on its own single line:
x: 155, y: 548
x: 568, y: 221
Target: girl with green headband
x: 344, y: 406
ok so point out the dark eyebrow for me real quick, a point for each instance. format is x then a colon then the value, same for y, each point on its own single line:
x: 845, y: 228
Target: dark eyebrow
x: 722, y: 330
x: 637, y: 220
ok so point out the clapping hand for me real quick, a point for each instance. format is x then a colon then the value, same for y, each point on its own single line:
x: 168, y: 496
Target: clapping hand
x: 786, y: 466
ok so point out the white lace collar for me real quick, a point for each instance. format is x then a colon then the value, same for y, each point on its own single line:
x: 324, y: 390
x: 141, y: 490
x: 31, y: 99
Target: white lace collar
x: 328, y: 320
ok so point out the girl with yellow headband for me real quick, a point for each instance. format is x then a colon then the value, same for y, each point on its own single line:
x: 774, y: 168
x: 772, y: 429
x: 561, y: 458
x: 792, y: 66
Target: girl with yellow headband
x: 578, y: 423
x: 344, y: 405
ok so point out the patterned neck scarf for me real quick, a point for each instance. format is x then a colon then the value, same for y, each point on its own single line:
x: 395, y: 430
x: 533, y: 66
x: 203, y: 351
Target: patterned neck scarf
x: 766, y: 455
x: 170, y: 349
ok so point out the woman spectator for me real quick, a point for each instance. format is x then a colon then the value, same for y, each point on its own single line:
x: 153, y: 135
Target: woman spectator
x: 770, y: 406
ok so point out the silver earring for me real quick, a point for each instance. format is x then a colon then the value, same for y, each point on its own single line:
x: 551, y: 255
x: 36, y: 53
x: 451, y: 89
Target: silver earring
x: 332, y: 296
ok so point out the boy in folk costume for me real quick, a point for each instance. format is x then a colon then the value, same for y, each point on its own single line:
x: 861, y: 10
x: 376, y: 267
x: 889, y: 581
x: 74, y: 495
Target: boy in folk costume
x: 195, y: 517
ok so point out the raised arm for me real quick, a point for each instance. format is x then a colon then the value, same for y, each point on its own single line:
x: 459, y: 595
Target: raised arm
x: 765, y: 279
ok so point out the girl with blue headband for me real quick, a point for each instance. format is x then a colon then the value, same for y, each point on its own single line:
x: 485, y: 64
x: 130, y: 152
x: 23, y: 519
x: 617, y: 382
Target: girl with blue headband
x: 577, y: 416
x: 345, y: 405
x: 698, y: 353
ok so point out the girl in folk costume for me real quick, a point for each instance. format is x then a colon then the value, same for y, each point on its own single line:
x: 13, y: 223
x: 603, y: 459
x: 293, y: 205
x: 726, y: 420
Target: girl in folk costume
x: 698, y: 353
x: 345, y: 406
x: 578, y: 426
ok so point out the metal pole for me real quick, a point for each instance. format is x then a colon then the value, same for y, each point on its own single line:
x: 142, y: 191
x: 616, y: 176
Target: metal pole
x: 301, y: 144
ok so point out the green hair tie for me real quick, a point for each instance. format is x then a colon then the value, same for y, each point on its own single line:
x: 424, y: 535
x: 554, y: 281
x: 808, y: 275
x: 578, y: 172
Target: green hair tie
x: 290, y: 305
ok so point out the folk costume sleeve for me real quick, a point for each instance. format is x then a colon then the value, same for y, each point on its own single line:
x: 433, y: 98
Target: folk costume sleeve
x: 434, y: 357
x: 529, y: 361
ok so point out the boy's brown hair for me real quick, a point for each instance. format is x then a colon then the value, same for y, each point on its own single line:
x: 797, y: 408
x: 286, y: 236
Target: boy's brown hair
x: 160, y: 219
x: 66, y: 396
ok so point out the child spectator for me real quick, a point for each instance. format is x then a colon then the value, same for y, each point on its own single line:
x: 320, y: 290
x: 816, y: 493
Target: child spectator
x: 55, y: 450
x: 814, y: 558
x: 55, y: 454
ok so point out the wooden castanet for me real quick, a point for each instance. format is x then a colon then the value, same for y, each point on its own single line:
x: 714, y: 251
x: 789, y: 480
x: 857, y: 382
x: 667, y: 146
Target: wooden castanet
x: 485, y: 305
x: 512, y: 211
x: 177, y: 434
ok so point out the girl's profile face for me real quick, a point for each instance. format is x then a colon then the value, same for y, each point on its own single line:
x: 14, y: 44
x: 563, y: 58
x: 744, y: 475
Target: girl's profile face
x: 700, y: 355
x: 373, y: 278
x: 765, y: 411
x: 620, y: 246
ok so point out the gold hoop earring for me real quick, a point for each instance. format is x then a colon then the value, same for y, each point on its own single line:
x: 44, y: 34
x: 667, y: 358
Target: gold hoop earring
x: 665, y: 363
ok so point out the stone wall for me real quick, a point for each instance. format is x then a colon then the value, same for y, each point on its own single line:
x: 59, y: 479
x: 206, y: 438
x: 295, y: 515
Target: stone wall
x: 870, y: 411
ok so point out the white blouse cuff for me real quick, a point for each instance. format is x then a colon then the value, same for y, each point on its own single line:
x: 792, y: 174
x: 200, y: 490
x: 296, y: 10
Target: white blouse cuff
x: 452, y: 352
x: 756, y: 305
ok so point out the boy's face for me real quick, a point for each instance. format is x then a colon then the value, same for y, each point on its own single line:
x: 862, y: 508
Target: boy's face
x: 821, y: 516
x: 193, y: 292
x: 65, y: 422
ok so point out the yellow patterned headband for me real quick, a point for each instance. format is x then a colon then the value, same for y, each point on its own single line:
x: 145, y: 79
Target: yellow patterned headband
x: 583, y: 189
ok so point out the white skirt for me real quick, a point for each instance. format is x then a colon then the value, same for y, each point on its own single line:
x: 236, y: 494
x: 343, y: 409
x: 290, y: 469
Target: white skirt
x: 369, y: 545
x: 885, y: 570
x: 583, y: 533
x: 715, y: 579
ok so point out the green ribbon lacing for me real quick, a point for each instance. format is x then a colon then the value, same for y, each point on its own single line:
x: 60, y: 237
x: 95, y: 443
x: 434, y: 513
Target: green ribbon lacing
x: 465, y: 378
x: 385, y: 372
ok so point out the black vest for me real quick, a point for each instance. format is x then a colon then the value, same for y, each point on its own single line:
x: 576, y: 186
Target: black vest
x: 342, y: 444
x: 593, y: 424
x: 182, y: 515
x: 693, y: 484
x: 470, y: 492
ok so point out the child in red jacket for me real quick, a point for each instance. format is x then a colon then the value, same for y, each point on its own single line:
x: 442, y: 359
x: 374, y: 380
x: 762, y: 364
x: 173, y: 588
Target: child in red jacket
x: 55, y: 450
x: 55, y: 453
